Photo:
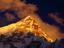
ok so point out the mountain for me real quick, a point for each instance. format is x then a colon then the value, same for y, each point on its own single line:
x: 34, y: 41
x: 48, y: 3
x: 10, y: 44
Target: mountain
x: 25, y: 25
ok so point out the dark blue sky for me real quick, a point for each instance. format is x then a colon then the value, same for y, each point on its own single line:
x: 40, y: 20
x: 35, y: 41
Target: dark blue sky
x: 47, y: 6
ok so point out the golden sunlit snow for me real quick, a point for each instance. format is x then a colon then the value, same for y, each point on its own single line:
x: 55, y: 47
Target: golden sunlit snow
x: 25, y: 25
x: 32, y: 23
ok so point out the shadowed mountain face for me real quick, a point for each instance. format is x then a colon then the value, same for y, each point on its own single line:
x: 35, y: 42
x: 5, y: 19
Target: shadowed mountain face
x: 21, y: 40
x: 23, y: 9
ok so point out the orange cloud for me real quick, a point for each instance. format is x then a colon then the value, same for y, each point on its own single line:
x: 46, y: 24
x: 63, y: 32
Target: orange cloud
x: 23, y: 10
x: 56, y: 18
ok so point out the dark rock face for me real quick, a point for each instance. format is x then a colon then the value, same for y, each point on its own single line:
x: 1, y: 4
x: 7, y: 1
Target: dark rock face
x: 21, y: 40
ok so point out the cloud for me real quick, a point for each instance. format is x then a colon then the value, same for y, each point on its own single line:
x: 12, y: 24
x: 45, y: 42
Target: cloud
x: 22, y: 10
x: 56, y: 18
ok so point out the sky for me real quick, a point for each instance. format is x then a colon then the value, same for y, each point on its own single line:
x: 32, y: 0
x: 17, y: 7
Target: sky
x: 46, y: 7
